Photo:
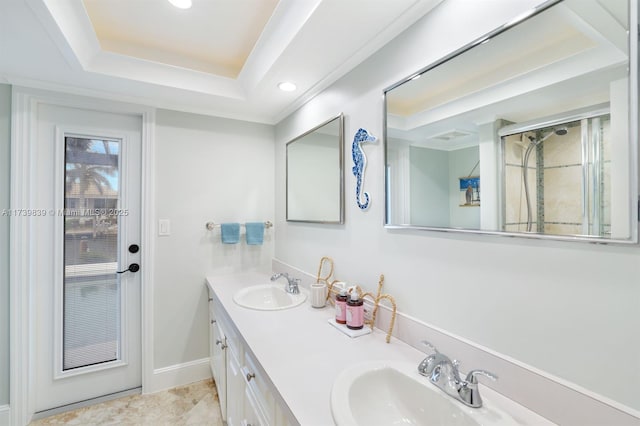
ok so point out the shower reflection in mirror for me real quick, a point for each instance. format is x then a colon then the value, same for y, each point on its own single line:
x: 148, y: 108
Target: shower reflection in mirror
x: 551, y: 126
x: 557, y: 179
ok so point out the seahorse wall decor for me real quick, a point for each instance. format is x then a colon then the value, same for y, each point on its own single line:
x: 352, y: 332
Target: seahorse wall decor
x: 359, y: 165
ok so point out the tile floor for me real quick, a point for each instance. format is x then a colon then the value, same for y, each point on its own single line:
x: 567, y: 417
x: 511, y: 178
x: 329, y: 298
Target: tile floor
x: 194, y: 404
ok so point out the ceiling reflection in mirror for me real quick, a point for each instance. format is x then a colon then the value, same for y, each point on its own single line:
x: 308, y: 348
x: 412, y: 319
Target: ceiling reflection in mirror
x: 527, y: 131
x: 315, y: 177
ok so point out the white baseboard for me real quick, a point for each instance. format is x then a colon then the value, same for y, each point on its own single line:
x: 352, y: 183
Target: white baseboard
x: 178, y: 375
x: 5, y: 415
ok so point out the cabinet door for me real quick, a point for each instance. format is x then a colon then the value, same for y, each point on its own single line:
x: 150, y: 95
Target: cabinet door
x: 219, y: 366
x: 253, y: 415
x: 212, y: 327
x: 282, y: 419
x: 235, y: 391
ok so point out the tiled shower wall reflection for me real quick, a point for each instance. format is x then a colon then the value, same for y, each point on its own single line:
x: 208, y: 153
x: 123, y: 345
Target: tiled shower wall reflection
x: 562, y: 183
x: 555, y: 175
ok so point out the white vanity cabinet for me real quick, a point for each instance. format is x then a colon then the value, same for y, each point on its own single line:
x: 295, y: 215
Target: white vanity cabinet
x: 262, y: 408
x: 247, y: 396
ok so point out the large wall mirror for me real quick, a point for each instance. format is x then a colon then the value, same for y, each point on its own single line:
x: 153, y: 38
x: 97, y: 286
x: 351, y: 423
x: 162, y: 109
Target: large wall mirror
x: 530, y: 130
x: 315, y: 176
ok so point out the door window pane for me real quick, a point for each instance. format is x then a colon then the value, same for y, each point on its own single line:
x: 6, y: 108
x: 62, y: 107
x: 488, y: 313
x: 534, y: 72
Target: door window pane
x: 92, y: 311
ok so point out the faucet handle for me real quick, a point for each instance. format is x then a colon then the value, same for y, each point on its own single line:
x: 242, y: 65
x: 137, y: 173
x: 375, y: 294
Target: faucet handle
x: 468, y: 392
x: 294, y: 285
x: 471, y: 376
x: 430, y: 346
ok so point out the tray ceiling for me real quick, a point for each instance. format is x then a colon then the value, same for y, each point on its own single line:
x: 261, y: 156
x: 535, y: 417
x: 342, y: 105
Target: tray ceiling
x: 221, y: 57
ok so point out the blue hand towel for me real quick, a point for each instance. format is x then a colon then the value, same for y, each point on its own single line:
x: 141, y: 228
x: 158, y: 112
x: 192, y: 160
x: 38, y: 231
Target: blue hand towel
x: 255, y: 233
x: 230, y: 233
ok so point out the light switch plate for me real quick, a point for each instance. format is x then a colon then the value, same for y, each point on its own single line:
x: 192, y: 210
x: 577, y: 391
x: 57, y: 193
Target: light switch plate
x: 164, y: 227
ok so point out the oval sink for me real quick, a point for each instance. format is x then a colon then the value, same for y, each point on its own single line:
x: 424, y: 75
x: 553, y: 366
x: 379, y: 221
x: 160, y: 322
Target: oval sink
x: 393, y: 393
x: 268, y: 297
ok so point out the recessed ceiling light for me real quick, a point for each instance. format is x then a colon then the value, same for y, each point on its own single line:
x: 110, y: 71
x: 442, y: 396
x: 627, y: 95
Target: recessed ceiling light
x: 181, y: 4
x: 287, y: 86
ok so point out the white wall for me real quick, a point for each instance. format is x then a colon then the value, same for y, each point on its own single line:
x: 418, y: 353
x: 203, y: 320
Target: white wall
x: 489, y: 187
x: 566, y: 308
x: 207, y: 169
x: 5, y: 162
x: 429, y: 174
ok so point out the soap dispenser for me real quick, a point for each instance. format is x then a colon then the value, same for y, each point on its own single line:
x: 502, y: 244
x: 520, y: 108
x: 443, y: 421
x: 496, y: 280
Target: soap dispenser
x: 355, y: 312
x: 341, y: 306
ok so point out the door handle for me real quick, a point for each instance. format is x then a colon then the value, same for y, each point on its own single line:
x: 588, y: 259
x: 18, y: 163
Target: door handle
x: 134, y: 267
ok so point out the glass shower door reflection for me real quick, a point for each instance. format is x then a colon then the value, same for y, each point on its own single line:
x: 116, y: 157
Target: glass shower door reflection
x: 92, y: 292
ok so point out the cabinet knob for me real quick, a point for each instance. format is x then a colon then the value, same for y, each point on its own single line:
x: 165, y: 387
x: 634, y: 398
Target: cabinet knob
x: 250, y: 376
x: 213, y: 321
x: 222, y: 345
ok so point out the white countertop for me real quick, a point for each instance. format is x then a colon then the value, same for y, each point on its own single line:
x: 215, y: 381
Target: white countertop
x: 303, y: 354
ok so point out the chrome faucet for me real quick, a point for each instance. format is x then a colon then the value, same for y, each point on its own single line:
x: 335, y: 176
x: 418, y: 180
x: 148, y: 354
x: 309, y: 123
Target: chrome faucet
x: 292, y: 283
x: 443, y: 372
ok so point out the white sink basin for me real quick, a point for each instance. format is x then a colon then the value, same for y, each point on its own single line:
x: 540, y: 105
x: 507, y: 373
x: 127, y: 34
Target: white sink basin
x: 393, y: 393
x: 268, y: 297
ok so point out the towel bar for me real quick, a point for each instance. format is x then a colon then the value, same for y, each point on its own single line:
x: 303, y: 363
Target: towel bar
x: 211, y: 225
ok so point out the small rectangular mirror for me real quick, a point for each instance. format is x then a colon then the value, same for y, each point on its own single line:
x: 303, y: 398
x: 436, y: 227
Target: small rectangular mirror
x: 315, y: 175
x: 528, y: 131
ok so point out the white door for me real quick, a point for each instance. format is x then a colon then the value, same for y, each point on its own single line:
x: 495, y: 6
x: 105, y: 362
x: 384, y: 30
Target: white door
x: 87, y: 314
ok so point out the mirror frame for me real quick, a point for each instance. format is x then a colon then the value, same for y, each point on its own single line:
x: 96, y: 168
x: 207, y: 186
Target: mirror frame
x: 340, y: 221
x: 634, y: 177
